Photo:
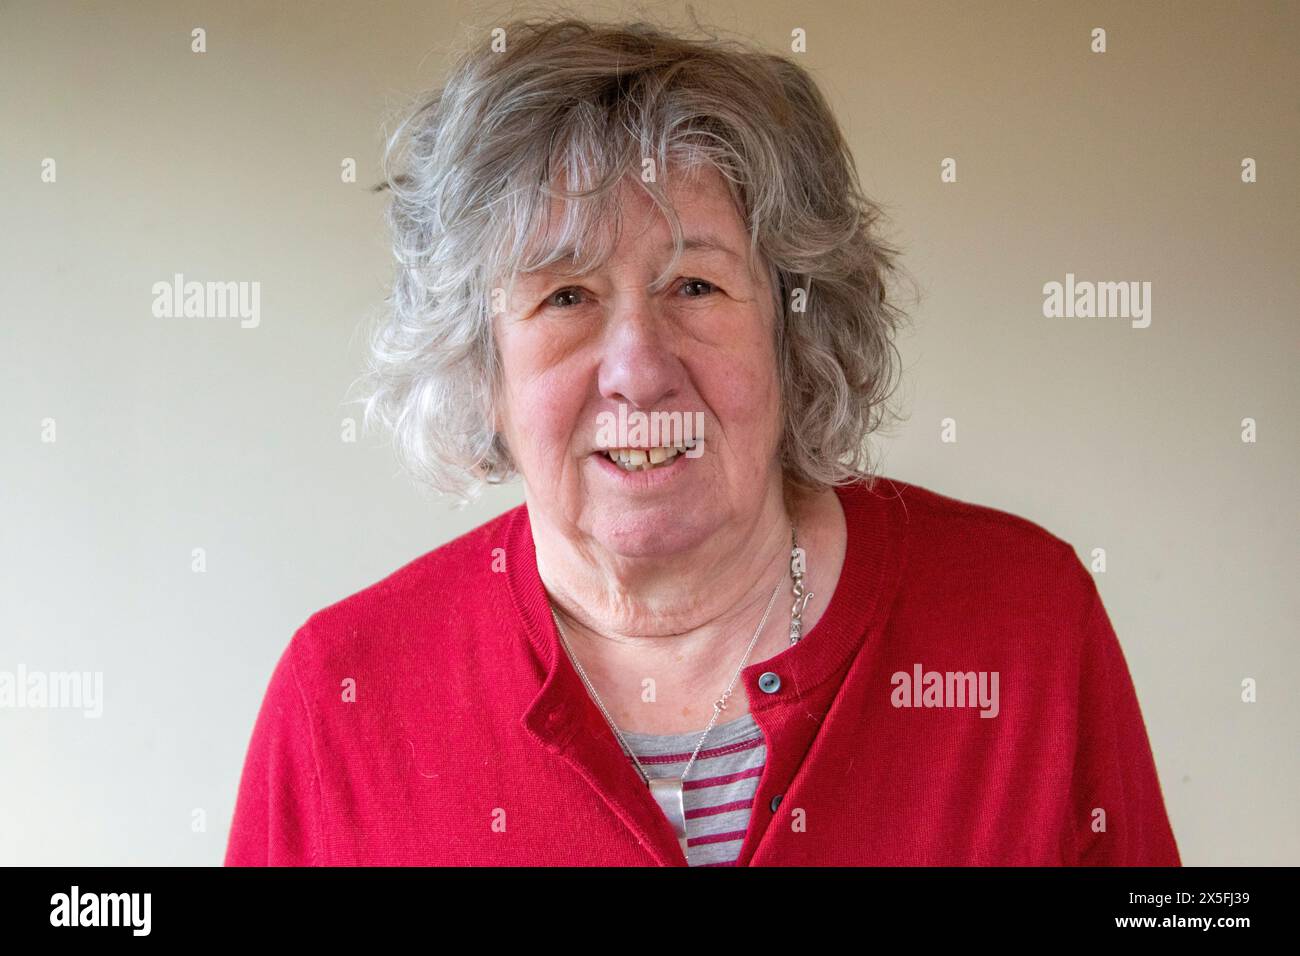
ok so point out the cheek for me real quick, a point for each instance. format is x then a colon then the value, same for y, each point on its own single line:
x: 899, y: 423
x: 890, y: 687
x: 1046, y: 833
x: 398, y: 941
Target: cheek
x: 739, y: 371
x: 546, y: 410
x: 543, y: 401
x: 742, y: 392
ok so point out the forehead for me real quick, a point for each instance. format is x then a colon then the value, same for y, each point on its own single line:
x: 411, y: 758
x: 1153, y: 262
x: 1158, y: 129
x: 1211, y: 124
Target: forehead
x: 579, y: 235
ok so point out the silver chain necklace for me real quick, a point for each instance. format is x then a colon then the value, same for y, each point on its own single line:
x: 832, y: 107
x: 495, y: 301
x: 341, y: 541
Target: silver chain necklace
x: 666, y: 791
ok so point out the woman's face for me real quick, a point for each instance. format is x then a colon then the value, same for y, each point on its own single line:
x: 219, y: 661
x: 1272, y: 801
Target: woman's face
x: 574, y: 350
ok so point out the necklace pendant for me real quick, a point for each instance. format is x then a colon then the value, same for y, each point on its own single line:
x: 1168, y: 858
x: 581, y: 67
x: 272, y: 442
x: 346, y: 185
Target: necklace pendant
x: 668, y: 794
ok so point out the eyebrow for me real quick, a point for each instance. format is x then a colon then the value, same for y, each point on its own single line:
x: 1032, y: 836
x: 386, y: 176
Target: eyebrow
x: 707, y: 243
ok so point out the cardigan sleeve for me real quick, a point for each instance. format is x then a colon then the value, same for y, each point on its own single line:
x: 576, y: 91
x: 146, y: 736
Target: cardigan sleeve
x: 278, y: 809
x: 1114, y: 771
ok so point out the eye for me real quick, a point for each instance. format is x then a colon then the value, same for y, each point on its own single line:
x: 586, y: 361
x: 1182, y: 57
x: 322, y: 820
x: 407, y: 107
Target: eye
x: 698, y: 284
x: 564, y: 298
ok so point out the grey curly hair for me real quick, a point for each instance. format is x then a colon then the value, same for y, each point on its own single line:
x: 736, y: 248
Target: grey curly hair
x: 474, y: 168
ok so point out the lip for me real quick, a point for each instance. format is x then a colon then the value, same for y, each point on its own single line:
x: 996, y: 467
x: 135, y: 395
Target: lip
x: 640, y: 480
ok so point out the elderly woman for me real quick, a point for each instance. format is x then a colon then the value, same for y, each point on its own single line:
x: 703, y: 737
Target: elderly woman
x: 639, y: 272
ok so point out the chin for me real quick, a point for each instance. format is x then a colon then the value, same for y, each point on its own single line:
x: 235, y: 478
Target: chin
x: 649, y: 532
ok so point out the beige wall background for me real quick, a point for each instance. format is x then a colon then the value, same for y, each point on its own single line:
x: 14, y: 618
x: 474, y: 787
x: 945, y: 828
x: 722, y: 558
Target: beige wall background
x: 175, y: 434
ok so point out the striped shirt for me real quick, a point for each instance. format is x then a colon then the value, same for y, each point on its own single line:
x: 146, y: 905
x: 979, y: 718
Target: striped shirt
x: 719, y: 792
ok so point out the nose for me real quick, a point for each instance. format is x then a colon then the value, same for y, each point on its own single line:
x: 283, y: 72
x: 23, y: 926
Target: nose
x: 639, y: 364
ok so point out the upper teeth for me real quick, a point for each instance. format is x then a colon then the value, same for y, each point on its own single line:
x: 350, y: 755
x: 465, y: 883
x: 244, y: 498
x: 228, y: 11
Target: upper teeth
x: 633, y: 459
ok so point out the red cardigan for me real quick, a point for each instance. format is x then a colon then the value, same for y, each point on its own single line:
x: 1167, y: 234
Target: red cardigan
x: 432, y: 718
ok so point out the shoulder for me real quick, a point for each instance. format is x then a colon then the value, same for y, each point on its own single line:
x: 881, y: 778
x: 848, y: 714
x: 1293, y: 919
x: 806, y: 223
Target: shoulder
x: 952, y: 529
x: 965, y: 546
x: 457, y: 583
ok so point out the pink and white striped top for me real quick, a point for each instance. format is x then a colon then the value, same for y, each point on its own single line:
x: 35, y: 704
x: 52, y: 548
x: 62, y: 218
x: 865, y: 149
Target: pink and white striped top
x: 719, y: 792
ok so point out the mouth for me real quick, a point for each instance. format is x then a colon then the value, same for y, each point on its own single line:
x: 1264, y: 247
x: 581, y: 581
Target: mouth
x: 643, y: 459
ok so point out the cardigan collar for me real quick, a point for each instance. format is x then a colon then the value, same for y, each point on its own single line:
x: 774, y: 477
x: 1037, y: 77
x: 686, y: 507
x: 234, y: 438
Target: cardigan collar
x: 564, y: 719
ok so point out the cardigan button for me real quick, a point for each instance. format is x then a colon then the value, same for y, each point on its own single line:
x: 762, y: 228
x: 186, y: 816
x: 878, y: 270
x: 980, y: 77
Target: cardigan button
x: 769, y: 683
x: 776, y: 802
